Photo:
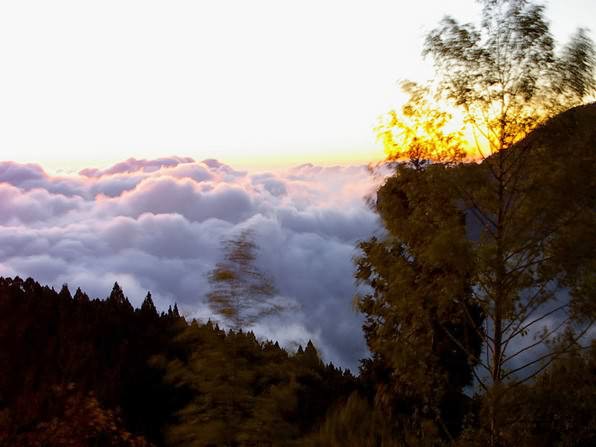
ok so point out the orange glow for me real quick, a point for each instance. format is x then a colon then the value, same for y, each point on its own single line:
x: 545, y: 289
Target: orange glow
x: 424, y: 129
x: 243, y: 160
x: 327, y: 158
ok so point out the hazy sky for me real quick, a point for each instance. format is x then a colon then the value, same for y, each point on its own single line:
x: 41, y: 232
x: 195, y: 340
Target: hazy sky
x: 250, y: 82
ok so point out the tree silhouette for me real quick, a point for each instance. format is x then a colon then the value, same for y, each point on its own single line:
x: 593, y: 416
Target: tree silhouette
x: 507, y: 235
x: 419, y: 277
x: 240, y: 292
x: 75, y: 371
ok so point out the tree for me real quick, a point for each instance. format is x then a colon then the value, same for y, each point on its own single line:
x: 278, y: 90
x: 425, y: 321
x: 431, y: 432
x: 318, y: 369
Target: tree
x: 420, y: 133
x: 241, y: 293
x: 420, y: 317
x: 236, y: 401
x: 507, y: 235
x: 505, y: 76
x: 78, y: 419
x: 75, y: 371
x: 559, y: 408
x: 354, y: 422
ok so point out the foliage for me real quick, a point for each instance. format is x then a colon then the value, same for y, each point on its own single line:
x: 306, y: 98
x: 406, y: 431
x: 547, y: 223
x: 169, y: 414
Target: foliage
x: 78, y: 420
x: 501, y: 249
x: 86, y: 351
x: 354, y: 422
x: 78, y: 372
x: 505, y: 74
x: 420, y: 132
x: 420, y: 321
x: 241, y: 293
x: 557, y: 408
x: 247, y: 392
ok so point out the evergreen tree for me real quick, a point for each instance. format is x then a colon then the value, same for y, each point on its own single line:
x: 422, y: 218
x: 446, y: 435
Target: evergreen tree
x: 420, y: 316
x: 147, y: 307
x: 75, y: 371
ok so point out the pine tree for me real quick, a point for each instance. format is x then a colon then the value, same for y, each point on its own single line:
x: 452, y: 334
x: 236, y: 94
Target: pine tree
x: 147, y: 307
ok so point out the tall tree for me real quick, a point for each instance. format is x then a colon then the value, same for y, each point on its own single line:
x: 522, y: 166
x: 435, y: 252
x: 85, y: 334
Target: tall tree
x: 236, y: 403
x: 420, y: 316
x: 522, y: 251
x: 240, y: 292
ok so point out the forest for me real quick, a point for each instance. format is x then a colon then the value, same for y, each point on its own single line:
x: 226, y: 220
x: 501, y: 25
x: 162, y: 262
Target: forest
x: 478, y: 297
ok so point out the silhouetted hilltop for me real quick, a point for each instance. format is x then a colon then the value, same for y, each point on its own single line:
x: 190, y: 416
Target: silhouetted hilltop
x: 81, y: 371
x: 571, y: 131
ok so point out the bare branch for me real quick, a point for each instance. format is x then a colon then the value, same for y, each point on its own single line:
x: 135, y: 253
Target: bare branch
x: 551, y: 354
x: 536, y: 320
x: 543, y: 339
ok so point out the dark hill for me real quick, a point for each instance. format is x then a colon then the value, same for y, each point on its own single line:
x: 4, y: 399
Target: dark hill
x: 76, y: 372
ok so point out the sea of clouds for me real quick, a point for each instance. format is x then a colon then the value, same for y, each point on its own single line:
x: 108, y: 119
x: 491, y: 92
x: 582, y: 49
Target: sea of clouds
x: 158, y: 225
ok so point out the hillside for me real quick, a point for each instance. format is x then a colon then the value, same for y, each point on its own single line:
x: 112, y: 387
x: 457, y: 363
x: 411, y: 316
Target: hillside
x: 81, y: 371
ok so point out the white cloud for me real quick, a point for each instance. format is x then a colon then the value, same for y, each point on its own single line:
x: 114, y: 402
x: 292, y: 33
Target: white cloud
x: 158, y: 225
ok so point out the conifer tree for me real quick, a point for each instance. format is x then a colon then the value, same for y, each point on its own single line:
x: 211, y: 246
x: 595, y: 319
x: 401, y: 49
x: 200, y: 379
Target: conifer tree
x: 118, y: 299
x: 147, y: 307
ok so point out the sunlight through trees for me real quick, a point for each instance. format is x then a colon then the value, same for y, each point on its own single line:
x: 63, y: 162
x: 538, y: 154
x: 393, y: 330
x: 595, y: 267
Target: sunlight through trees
x: 498, y: 249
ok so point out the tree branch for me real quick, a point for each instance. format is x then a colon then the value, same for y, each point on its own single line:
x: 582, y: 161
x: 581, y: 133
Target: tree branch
x: 551, y: 354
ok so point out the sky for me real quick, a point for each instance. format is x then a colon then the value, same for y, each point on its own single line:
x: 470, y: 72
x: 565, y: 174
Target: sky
x: 136, y: 136
x: 258, y: 84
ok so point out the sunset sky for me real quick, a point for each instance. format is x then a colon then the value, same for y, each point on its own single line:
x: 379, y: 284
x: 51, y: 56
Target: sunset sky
x: 258, y: 84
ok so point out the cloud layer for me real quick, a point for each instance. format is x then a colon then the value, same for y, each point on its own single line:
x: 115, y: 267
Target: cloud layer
x: 158, y: 225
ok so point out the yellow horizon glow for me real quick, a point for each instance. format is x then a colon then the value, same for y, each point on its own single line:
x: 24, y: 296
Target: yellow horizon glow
x: 251, y: 163
x: 260, y: 84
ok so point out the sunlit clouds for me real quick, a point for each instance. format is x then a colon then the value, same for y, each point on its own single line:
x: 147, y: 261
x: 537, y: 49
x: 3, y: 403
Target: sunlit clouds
x: 158, y: 225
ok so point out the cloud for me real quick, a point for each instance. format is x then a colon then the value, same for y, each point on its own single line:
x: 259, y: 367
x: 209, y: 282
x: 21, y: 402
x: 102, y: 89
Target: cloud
x: 168, y: 195
x: 16, y: 174
x: 158, y: 225
x: 134, y: 165
x: 26, y: 207
x: 270, y: 183
x: 31, y: 176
